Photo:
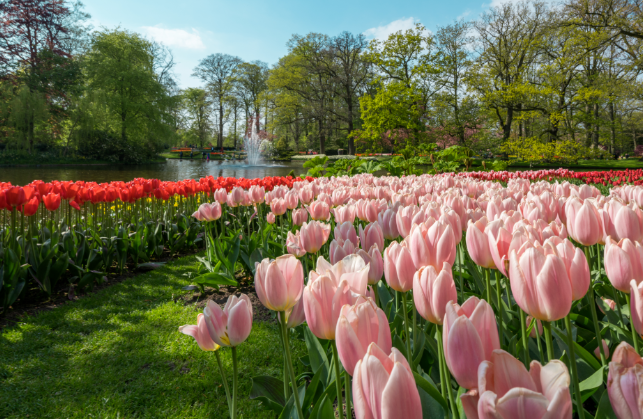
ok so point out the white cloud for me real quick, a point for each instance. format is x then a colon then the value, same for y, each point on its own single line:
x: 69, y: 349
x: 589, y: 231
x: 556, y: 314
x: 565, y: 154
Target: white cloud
x: 463, y: 15
x: 175, y: 37
x: 382, y: 32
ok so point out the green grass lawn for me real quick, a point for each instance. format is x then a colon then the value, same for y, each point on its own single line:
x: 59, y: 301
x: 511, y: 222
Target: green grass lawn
x: 118, y: 354
x: 631, y: 163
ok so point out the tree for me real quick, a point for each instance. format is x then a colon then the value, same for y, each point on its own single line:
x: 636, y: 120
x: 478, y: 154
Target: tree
x: 252, y: 82
x: 509, y: 38
x: 121, y: 66
x: 198, y: 106
x: 218, y: 72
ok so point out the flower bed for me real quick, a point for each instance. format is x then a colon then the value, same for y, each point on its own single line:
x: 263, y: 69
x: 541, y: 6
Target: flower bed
x: 430, y: 294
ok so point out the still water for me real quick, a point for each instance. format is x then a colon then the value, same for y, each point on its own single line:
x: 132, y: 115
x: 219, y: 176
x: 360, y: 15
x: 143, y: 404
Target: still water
x: 172, y: 170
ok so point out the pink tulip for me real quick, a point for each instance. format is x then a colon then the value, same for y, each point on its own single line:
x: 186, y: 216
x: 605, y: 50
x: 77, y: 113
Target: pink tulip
x: 384, y: 387
x: 236, y: 196
x: 257, y: 194
x: 373, y: 258
x: 388, y: 221
x: 584, y: 223
x: 499, y: 240
x: 629, y: 223
x: 357, y: 327
x: 478, y: 244
x: 270, y: 218
x: 554, y: 229
x: 610, y: 303
x: 398, y: 267
x: 306, y: 195
x: 636, y: 306
x: 371, y: 235
x: 432, y: 291
x: 294, y: 246
x: 232, y: 325
x: 200, y: 333
x: 279, y: 283
x: 221, y: 196
x: 339, y: 249
x: 346, y: 231
x: 606, y: 350
x: 540, y: 284
x: 314, y: 235
x: 508, y: 391
x: 294, y: 316
x: 208, y: 212
x: 299, y: 216
x: 319, y: 210
x: 351, y: 269
x: 339, y: 197
x: 291, y: 200
x: 575, y: 264
x: 344, y: 213
x: 453, y: 219
x: 470, y: 337
x: 432, y: 243
x: 625, y: 382
x: 404, y: 219
x: 323, y: 301
x: 623, y: 263
x: 278, y: 206
x: 368, y: 210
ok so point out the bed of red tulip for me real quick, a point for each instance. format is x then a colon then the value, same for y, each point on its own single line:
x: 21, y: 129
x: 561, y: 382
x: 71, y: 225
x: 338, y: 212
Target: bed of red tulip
x: 473, y: 294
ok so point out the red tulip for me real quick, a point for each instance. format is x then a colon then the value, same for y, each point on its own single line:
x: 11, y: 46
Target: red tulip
x: 15, y: 196
x: 31, y: 207
x: 52, y: 201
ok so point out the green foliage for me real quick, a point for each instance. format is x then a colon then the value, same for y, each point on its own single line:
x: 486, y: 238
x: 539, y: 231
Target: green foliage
x: 533, y: 150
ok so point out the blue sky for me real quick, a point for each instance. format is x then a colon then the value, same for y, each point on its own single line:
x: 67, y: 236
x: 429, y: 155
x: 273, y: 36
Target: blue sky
x: 259, y: 30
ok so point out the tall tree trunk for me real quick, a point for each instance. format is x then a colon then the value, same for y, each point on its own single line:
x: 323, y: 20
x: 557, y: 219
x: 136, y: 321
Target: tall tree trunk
x: 351, y: 142
x: 612, y: 127
x: 235, y: 127
x: 596, y: 126
x: 588, y: 128
x: 220, y: 139
x: 322, y: 138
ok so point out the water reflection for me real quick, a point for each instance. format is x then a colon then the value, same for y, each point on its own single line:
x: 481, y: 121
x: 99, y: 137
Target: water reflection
x: 171, y: 170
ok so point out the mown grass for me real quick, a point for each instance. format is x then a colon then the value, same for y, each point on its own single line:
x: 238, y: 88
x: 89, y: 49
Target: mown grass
x: 118, y: 354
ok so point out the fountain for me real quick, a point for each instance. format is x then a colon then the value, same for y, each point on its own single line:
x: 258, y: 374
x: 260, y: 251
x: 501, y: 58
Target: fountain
x: 252, y: 144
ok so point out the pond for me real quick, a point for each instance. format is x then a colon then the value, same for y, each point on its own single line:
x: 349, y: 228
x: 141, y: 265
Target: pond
x: 171, y: 170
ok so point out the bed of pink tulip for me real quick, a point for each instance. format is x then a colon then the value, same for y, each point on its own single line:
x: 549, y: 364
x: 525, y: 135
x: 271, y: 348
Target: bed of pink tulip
x: 441, y: 296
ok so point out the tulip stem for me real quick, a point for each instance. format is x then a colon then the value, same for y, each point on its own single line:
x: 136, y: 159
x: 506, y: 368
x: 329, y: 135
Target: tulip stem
x: 592, y: 307
x: 635, y: 337
x: 525, y: 342
x: 376, y: 294
x: 284, y: 332
x: 447, y: 376
x: 443, y: 389
x: 572, y: 362
x: 534, y: 323
x: 338, y: 382
x: 234, y: 382
x: 347, y: 390
x: 550, y: 345
x: 459, y: 255
x: 488, y: 285
x: 409, y: 354
x: 618, y: 307
x: 225, y: 380
x: 500, y: 309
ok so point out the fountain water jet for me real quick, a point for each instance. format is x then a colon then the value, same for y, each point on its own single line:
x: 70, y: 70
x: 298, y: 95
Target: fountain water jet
x: 252, y: 144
